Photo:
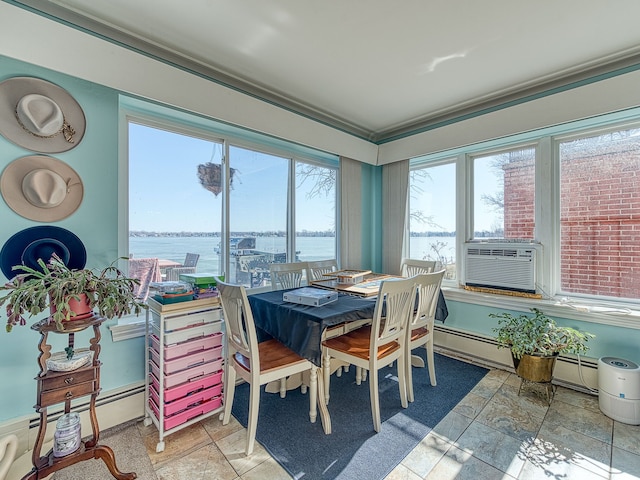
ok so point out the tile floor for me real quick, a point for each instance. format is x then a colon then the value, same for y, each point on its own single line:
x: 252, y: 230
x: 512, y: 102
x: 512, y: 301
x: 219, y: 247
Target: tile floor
x: 491, y: 433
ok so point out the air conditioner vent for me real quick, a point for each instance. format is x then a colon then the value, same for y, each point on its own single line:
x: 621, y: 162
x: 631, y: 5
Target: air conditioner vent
x: 497, y: 266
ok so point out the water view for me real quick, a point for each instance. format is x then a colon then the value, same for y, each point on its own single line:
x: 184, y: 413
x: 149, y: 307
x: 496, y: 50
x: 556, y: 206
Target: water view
x: 309, y: 248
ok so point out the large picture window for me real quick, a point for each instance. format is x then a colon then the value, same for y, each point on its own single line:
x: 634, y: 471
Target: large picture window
x: 281, y: 208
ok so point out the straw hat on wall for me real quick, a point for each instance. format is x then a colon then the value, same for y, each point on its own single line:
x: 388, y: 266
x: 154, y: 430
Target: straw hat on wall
x: 40, y: 116
x: 41, y: 188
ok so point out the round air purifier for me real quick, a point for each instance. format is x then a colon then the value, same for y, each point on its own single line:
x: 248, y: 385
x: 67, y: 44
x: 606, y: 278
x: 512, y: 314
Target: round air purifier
x: 619, y: 389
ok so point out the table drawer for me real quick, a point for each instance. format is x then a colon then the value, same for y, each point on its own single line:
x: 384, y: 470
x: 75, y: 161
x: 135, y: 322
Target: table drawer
x: 188, y: 361
x: 188, y: 375
x: 55, y: 380
x: 185, y: 348
x: 190, y: 400
x: 186, y: 388
x: 60, y: 395
x: 186, y: 415
x: 177, y: 322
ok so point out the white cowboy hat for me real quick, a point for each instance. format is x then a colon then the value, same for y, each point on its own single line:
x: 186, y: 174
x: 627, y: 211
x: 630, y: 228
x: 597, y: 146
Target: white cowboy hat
x: 40, y: 116
x: 41, y: 188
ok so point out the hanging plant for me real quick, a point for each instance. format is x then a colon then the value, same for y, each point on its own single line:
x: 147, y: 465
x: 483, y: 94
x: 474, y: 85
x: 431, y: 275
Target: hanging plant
x: 210, y: 176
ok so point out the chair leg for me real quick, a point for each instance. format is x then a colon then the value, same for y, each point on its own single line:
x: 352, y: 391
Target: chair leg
x: 359, y: 375
x: 229, y: 391
x: 402, y: 380
x: 252, y: 423
x: 409, y: 375
x: 430, y: 361
x: 375, y: 401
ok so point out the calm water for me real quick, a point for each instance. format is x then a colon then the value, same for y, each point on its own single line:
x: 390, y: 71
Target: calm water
x: 311, y: 248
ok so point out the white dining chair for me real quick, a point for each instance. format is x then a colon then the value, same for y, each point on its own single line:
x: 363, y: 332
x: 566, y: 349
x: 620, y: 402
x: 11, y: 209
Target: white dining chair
x: 411, y: 267
x: 256, y: 363
x: 420, y: 331
x: 287, y: 275
x: 317, y: 269
x: 379, y: 344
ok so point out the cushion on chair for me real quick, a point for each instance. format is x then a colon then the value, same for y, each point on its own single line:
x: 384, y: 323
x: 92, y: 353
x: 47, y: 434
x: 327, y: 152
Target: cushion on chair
x: 356, y: 343
x: 419, y: 333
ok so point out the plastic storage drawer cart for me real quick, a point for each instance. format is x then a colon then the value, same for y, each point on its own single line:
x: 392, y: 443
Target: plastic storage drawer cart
x: 184, y: 367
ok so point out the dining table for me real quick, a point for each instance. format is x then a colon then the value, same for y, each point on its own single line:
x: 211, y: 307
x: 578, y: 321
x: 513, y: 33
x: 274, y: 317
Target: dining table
x: 302, y: 327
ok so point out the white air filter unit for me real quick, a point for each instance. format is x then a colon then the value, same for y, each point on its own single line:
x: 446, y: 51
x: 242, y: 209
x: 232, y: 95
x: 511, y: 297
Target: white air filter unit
x: 619, y: 389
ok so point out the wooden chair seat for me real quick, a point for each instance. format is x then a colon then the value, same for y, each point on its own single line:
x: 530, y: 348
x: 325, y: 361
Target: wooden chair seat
x: 356, y: 343
x: 273, y: 356
x: 418, y: 333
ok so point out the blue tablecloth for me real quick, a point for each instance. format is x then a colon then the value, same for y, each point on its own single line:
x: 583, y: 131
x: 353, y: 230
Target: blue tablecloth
x: 300, y: 327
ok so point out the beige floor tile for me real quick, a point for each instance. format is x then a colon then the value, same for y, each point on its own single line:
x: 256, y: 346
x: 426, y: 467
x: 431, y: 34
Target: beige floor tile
x: 269, y: 469
x: 451, y: 426
x: 577, y: 399
x: 176, y: 445
x: 402, y: 473
x: 470, y: 405
x: 487, y: 387
x: 624, y: 465
x: 426, y: 455
x: 206, y: 462
x: 460, y: 465
x: 561, y: 448
x: 215, y: 429
x: 233, y: 448
x: 493, y: 447
x: 581, y: 420
x: 626, y: 437
x: 510, y: 418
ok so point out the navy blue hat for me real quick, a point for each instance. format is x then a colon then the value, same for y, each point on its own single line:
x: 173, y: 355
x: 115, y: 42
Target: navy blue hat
x: 30, y: 244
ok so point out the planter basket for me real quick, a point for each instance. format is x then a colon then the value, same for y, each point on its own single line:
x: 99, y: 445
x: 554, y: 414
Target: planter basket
x: 537, y: 371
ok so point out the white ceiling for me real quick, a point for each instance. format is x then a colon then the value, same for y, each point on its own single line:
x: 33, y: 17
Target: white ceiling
x: 375, y: 68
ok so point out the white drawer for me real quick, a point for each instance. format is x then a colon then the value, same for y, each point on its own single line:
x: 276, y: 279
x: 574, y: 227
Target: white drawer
x: 179, y: 321
x: 192, y: 333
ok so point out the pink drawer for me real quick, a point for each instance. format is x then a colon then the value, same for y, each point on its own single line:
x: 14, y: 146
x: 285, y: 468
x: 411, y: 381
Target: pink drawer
x: 186, y: 415
x: 176, y: 406
x: 188, y: 347
x: 190, y: 374
x: 187, y: 361
x: 185, y: 389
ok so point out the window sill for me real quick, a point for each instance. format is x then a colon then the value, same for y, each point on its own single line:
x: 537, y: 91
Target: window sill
x: 128, y: 327
x: 607, y: 313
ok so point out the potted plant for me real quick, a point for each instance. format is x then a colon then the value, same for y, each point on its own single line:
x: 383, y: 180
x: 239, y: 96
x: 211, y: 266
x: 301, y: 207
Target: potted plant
x: 68, y: 293
x: 536, y: 341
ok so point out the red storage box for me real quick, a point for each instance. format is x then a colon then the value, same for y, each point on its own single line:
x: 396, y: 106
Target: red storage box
x: 184, y: 389
x: 186, y: 375
x: 176, y: 406
x: 186, y: 415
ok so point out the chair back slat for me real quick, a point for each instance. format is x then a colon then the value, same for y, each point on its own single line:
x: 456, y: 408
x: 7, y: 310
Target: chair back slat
x: 317, y: 269
x: 428, y: 287
x: 287, y: 275
x: 240, y: 328
x: 411, y: 267
x: 394, y: 306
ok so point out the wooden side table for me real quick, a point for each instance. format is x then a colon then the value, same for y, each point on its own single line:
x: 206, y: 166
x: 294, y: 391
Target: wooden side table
x: 59, y: 387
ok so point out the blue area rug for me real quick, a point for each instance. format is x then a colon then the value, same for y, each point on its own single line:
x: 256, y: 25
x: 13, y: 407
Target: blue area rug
x: 353, y: 450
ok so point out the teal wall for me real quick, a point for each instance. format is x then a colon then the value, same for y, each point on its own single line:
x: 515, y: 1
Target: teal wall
x: 95, y: 223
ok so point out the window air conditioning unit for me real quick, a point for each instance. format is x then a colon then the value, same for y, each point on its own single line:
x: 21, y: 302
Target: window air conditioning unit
x: 502, y: 266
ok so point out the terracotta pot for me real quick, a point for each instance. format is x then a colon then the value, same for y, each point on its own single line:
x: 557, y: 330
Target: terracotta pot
x: 535, y: 368
x: 80, y: 307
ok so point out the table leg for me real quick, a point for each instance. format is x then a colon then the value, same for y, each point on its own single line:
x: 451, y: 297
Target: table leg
x: 324, y: 411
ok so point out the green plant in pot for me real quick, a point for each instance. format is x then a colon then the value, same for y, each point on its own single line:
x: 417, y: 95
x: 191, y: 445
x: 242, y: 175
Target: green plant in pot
x: 68, y: 294
x: 536, y: 341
